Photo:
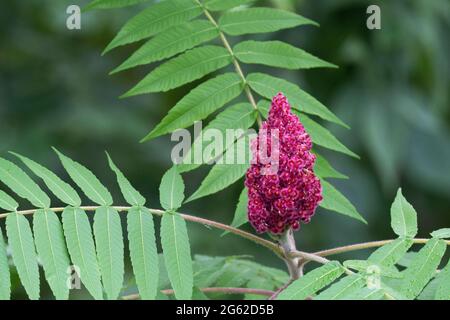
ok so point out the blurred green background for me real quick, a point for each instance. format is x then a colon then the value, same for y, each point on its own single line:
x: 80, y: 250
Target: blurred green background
x: 392, y: 88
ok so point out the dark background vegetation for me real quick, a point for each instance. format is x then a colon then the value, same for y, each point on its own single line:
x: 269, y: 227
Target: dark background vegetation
x: 392, y: 88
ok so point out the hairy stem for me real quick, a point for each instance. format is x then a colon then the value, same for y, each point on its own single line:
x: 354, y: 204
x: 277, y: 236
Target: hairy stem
x: 236, y: 64
x: 287, y: 242
x: 305, y: 256
x: 266, y: 243
x: 227, y: 290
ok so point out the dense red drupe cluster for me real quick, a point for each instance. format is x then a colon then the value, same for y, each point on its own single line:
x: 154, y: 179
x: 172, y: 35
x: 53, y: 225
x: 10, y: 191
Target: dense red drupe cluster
x: 290, y: 195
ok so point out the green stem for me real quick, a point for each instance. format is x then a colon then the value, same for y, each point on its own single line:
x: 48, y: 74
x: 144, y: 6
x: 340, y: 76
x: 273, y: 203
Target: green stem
x: 287, y: 243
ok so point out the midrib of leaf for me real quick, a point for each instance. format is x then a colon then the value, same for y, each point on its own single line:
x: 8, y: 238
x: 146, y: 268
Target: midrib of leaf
x: 175, y: 13
x: 79, y: 241
x: 256, y: 21
x: 225, y: 148
x: 176, y: 248
x: 186, y: 37
x: 217, y: 178
x: 390, y: 252
x: 430, y: 253
x: 428, y: 256
x: 312, y: 282
x: 371, y: 293
x: 143, y: 249
x: 156, y: 21
x: 263, y: 84
x: 198, y: 142
x: 245, y: 115
x: 166, y: 46
x: 56, y: 185
x: 215, y: 93
x: 23, y: 186
x: 108, y: 225
x: 172, y: 192
x: 405, y: 229
x: 260, y: 53
x: 90, y: 187
x: 193, y: 65
x: 22, y: 250
x: 345, y: 288
x: 51, y: 247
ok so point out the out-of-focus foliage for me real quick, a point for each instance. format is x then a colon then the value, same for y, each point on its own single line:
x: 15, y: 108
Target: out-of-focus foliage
x: 392, y: 88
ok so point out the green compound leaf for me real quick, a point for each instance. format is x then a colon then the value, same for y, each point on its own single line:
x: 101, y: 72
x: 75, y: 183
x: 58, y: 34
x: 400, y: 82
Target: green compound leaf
x: 171, y: 190
x: 237, y: 118
x: 86, y: 180
x: 403, y: 217
x: 167, y: 44
x: 278, y: 54
x: 131, y: 195
x: 20, y: 183
x: 422, y: 268
x: 268, y: 87
x: 389, y: 254
x: 342, y: 288
x: 199, y: 103
x: 220, y: 5
x: 312, y: 282
x: 80, y: 243
x: 5, y: 278
x: 62, y: 190
x: 110, y: 252
x: 24, y: 255
x: 335, y: 201
x: 260, y: 20
x: 155, y: 19
x: 143, y: 252
x: 7, y: 203
x: 185, y: 68
x: 177, y: 254
x: 51, y: 247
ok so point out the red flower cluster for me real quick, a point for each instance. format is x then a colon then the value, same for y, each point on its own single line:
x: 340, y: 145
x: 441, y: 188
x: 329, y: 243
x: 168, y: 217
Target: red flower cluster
x: 281, y: 200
